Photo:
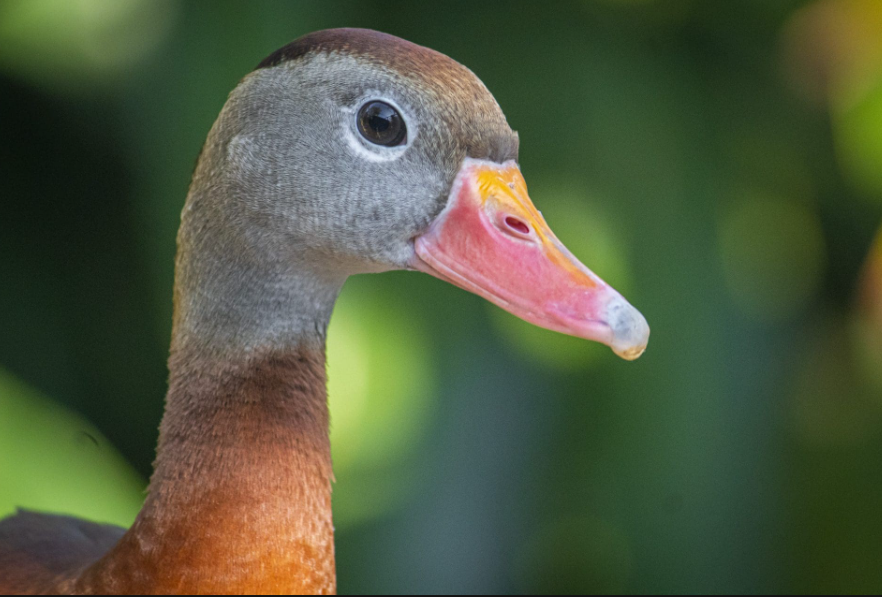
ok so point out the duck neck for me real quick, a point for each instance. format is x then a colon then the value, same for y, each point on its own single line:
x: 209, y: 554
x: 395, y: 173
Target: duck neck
x: 240, y: 500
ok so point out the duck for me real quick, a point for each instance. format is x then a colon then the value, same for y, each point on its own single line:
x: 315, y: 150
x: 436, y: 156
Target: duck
x: 347, y: 151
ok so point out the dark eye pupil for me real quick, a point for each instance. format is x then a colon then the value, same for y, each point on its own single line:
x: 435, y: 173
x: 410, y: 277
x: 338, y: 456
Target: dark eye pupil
x: 381, y: 124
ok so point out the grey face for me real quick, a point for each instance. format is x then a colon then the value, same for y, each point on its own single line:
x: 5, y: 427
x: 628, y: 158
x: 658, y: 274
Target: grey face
x: 289, y: 199
x: 304, y: 184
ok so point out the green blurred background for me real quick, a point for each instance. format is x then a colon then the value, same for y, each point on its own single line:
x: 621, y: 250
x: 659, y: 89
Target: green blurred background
x: 718, y: 162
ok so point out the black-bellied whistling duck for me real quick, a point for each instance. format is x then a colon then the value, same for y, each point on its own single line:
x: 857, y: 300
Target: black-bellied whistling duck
x: 347, y: 151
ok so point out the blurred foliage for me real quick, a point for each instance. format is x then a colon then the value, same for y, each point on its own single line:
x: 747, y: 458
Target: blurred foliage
x: 53, y: 460
x: 779, y: 272
x: 720, y: 163
x: 78, y: 44
x: 382, y: 381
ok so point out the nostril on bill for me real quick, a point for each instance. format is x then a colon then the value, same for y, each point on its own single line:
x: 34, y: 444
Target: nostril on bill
x: 517, y: 225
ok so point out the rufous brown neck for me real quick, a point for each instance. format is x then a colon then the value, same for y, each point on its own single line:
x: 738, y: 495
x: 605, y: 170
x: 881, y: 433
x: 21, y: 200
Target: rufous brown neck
x: 240, y: 501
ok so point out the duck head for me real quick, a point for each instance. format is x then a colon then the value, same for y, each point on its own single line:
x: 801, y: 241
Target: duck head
x: 351, y: 151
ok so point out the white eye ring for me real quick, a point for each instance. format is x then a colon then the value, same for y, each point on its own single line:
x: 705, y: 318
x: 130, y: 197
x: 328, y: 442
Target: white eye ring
x: 366, y: 149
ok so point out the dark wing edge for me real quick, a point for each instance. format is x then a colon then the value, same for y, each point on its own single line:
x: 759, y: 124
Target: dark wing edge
x: 40, y: 551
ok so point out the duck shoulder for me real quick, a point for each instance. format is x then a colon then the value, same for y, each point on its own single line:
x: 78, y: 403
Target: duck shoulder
x: 40, y: 553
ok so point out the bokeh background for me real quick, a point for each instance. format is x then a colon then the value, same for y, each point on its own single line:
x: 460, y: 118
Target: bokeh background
x: 719, y: 162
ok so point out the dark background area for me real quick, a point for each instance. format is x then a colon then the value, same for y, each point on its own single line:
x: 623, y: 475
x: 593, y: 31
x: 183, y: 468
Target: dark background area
x: 718, y: 162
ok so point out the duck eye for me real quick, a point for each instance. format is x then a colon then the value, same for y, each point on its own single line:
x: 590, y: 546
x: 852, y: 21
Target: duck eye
x: 381, y: 124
